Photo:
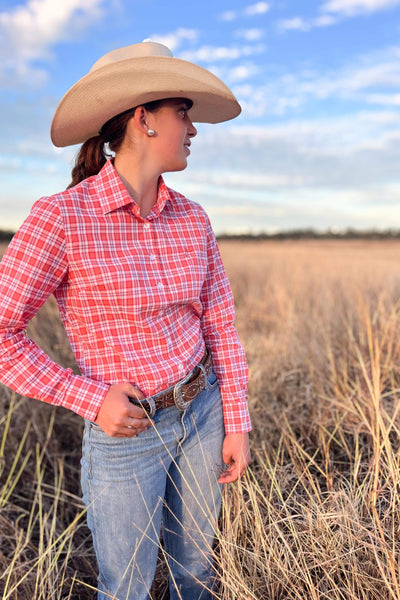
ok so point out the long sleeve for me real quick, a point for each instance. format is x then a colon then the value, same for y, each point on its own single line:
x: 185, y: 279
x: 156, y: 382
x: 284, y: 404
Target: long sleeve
x: 221, y: 337
x: 35, y: 266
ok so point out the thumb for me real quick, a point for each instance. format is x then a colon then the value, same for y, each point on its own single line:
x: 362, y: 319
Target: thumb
x: 227, y: 456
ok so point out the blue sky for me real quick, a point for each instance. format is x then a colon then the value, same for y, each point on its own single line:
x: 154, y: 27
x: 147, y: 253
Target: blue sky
x: 318, y: 141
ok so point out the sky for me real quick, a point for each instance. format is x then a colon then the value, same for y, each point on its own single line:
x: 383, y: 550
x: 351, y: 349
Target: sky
x: 317, y: 144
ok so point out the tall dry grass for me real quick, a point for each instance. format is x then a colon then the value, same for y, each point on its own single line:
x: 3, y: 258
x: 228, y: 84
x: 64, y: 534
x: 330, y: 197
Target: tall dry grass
x: 317, y: 515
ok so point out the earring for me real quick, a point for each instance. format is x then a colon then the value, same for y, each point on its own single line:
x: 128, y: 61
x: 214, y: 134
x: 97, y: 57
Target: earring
x: 151, y: 132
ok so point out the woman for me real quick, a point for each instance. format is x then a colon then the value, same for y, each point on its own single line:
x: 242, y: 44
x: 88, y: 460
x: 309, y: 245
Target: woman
x: 145, y: 301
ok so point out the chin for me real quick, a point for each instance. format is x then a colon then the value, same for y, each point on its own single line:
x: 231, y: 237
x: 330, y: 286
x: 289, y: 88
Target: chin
x: 178, y: 166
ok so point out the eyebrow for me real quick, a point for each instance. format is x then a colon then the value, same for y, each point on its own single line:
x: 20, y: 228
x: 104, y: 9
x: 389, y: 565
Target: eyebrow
x: 186, y: 103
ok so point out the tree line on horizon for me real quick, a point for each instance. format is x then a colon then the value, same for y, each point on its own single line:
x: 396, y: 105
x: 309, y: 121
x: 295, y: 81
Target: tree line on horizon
x: 290, y: 234
x: 310, y: 233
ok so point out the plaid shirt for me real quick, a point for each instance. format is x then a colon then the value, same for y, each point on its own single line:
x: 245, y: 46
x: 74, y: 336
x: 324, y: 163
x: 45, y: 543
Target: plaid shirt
x: 140, y: 298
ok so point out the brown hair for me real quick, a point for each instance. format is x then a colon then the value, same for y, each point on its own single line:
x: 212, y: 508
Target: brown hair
x: 93, y: 153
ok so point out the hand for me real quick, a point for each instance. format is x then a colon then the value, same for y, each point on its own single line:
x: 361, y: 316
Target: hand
x: 236, y: 454
x: 120, y: 418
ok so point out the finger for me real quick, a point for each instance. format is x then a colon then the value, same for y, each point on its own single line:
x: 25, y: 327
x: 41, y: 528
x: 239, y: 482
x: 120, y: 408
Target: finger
x: 233, y: 472
x: 229, y: 476
x: 137, y: 412
x: 139, y: 425
x: 136, y: 426
x: 129, y: 433
x: 133, y: 391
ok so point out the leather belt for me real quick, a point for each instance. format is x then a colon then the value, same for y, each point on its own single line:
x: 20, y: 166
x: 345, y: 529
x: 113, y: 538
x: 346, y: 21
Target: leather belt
x: 180, y: 394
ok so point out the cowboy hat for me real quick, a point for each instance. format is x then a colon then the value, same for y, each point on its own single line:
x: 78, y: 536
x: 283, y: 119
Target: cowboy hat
x: 131, y: 76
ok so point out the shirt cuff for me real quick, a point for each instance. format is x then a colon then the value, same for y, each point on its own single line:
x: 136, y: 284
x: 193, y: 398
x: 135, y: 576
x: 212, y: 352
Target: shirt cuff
x: 237, y: 417
x: 85, y: 396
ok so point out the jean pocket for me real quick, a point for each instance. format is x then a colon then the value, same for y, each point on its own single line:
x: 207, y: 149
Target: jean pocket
x: 94, y: 426
x: 212, y: 381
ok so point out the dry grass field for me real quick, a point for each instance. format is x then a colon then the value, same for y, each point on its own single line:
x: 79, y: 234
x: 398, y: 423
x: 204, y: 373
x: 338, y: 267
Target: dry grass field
x: 318, y: 514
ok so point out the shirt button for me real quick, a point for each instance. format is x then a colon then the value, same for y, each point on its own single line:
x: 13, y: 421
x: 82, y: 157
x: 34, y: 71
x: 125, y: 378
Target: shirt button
x: 146, y: 225
x: 152, y: 257
x: 160, y: 285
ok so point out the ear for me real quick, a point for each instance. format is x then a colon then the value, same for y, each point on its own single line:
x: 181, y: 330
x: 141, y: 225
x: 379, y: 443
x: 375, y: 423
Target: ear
x: 140, y: 118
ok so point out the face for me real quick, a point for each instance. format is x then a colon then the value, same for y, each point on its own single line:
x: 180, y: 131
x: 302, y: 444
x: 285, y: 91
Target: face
x: 174, y: 131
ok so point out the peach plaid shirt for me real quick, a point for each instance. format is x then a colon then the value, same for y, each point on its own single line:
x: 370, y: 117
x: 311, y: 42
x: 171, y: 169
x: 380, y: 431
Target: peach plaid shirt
x: 140, y: 298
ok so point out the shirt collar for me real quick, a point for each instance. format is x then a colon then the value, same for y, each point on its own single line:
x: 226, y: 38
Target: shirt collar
x: 114, y: 195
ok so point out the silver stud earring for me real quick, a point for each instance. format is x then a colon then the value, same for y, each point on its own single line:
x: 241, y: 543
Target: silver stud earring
x: 151, y: 132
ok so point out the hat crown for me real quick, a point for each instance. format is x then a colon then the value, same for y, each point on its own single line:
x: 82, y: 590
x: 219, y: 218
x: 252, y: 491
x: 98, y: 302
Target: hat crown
x: 142, y: 50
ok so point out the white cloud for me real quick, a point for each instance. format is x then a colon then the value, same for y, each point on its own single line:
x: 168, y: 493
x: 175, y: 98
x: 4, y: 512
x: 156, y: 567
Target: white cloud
x: 241, y: 72
x: 228, y: 15
x: 235, y: 179
x: 350, y: 8
x: 250, y: 35
x: 174, y: 39
x: 293, y: 24
x: 28, y: 31
x: 372, y: 78
x: 324, y: 21
x: 212, y: 53
x: 232, y: 64
x: 341, y: 136
x: 259, y: 8
x: 220, y: 53
x: 334, y: 11
x: 383, y: 99
x: 356, y: 151
x: 301, y: 24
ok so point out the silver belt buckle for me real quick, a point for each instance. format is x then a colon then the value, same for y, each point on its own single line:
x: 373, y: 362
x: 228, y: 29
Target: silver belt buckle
x: 179, y: 394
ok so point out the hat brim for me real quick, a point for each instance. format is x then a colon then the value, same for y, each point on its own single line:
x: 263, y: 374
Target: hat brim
x: 114, y: 88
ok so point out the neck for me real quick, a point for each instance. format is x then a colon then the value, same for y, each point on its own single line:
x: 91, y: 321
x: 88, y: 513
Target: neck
x: 141, y: 184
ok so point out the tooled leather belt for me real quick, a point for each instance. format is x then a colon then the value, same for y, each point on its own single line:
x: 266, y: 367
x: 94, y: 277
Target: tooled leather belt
x: 182, y: 393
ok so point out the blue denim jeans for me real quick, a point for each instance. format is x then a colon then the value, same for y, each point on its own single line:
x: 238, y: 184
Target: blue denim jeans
x: 165, y: 478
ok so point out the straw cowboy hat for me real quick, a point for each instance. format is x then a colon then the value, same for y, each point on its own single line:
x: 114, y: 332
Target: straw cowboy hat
x: 134, y: 75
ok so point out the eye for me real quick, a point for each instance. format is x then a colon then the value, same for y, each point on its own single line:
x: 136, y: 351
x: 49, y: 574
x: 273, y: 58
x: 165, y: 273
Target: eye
x: 183, y: 110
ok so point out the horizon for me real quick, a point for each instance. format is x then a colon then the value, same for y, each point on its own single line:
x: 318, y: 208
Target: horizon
x: 285, y: 234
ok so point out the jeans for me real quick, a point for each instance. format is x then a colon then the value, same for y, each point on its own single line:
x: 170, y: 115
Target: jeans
x: 165, y: 478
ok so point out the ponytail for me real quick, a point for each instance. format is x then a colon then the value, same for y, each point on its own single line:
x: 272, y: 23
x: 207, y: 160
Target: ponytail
x: 90, y: 160
x: 93, y: 154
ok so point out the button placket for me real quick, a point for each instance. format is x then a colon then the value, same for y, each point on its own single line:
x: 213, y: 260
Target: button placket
x: 154, y: 264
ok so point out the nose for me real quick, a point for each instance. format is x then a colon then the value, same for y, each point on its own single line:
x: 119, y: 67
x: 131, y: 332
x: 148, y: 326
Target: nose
x: 191, y: 130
